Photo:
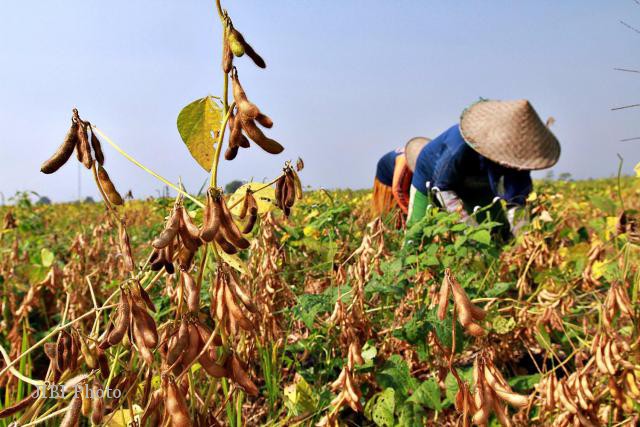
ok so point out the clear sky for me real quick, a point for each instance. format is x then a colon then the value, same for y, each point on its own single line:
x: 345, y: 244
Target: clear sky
x: 346, y: 81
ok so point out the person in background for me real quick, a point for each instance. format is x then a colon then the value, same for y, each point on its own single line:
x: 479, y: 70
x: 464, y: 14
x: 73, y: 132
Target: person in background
x: 393, y: 178
x: 488, y: 155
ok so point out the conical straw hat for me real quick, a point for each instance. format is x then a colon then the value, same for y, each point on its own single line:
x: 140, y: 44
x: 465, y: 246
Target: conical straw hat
x: 412, y: 150
x: 510, y: 133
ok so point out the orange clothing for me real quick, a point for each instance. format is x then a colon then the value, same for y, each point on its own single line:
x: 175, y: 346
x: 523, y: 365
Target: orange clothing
x: 382, y: 201
x: 401, y: 183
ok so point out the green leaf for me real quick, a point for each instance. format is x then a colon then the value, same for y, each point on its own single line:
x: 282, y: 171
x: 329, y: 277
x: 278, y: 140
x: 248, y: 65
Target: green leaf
x: 428, y: 394
x: 524, y: 383
x: 199, y: 124
x: 46, y: 257
x: 411, y: 415
x: 395, y: 374
x: 481, y: 236
x: 380, y: 408
x: 502, y: 325
x: 299, y: 397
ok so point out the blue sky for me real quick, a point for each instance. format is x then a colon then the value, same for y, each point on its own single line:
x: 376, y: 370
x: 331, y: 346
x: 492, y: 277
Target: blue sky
x: 346, y: 81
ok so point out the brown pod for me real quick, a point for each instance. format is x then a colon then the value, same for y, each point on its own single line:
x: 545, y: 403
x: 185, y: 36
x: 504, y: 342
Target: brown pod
x: 211, y: 367
x: 240, y: 376
x: 245, y: 204
x: 246, y: 109
x: 264, y: 120
x: 193, y: 346
x: 103, y: 363
x: 140, y: 340
x: 179, y: 344
x: 97, y: 147
x: 152, y: 405
x: 251, y: 53
x: 235, y: 311
x: 213, y: 212
x: 299, y: 164
x: 185, y: 258
x: 227, y: 55
x: 253, y: 217
x: 146, y: 325
x: 231, y: 152
x: 146, y: 298
x: 60, y: 351
x: 121, y: 325
x: 443, y: 298
x: 97, y: 403
x: 279, y: 188
x: 50, y: 350
x: 256, y: 135
x: 291, y: 190
x: 205, y: 334
x: 62, y: 154
x: 125, y: 248
x: 87, y: 354
x: 175, y: 405
x: 72, y: 415
x: 168, y: 258
x: 192, y: 292
x: 230, y: 230
x: 170, y: 231
x: 18, y: 406
x: 297, y: 184
x: 225, y: 245
x: 188, y: 225
x: 84, y: 149
x: 74, y: 351
x: 107, y: 186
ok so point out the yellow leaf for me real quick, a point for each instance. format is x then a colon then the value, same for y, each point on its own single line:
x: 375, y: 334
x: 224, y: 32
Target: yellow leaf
x: 610, y: 230
x: 122, y: 417
x: 233, y: 260
x: 598, y: 269
x: 637, y: 169
x: 532, y: 196
x: 199, y: 124
x: 265, y: 197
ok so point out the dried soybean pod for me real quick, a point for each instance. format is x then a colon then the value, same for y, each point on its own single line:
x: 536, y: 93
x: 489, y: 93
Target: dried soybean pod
x: 176, y: 405
x: 291, y: 191
x: 152, y: 405
x: 235, y: 310
x: 240, y: 376
x: 125, y: 248
x: 146, y: 325
x: 256, y: 135
x: 180, y: 343
x: 251, y: 53
x: 60, y: 349
x: 72, y: 415
x: 227, y: 54
x: 103, y: 363
x: 84, y: 149
x: 225, y: 245
x: 107, y: 186
x: 231, y: 152
x: 211, y: 367
x: 443, y: 298
x: 168, y: 258
x: 140, y: 340
x: 245, y: 203
x: 193, y: 346
x: 63, y: 152
x: 212, y: 216
x: 146, y: 298
x: 88, y: 354
x: 246, y: 109
x: 97, y: 403
x: 264, y: 120
x: 86, y: 404
x: 192, y: 291
x: 278, y: 195
x: 230, y: 230
x: 188, y: 224
x: 170, y: 231
x: 97, y: 147
x: 253, y: 217
x: 185, y: 258
x: 299, y: 164
x: 18, y: 406
x: 121, y: 325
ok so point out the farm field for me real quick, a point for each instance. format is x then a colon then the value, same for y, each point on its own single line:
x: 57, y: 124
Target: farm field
x: 340, y: 319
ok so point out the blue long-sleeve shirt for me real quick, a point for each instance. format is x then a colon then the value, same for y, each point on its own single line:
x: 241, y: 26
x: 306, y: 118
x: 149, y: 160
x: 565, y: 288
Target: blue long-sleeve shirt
x: 450, y: 164
x: 386, y: 165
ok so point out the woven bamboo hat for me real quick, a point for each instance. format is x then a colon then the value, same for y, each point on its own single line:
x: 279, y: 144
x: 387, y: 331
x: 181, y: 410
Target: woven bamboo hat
x: 510, y: 133
x: 412, y: 150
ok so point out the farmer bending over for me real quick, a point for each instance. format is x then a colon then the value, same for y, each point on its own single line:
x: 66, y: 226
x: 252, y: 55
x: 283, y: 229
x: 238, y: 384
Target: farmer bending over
x: 393, y: 178
x: 489, y: 154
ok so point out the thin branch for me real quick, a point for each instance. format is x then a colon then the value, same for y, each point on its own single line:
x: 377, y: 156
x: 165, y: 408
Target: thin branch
x: 630, y: 139
x: 630, y: 27
x: 627, y: 69
x: 626, y: 106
